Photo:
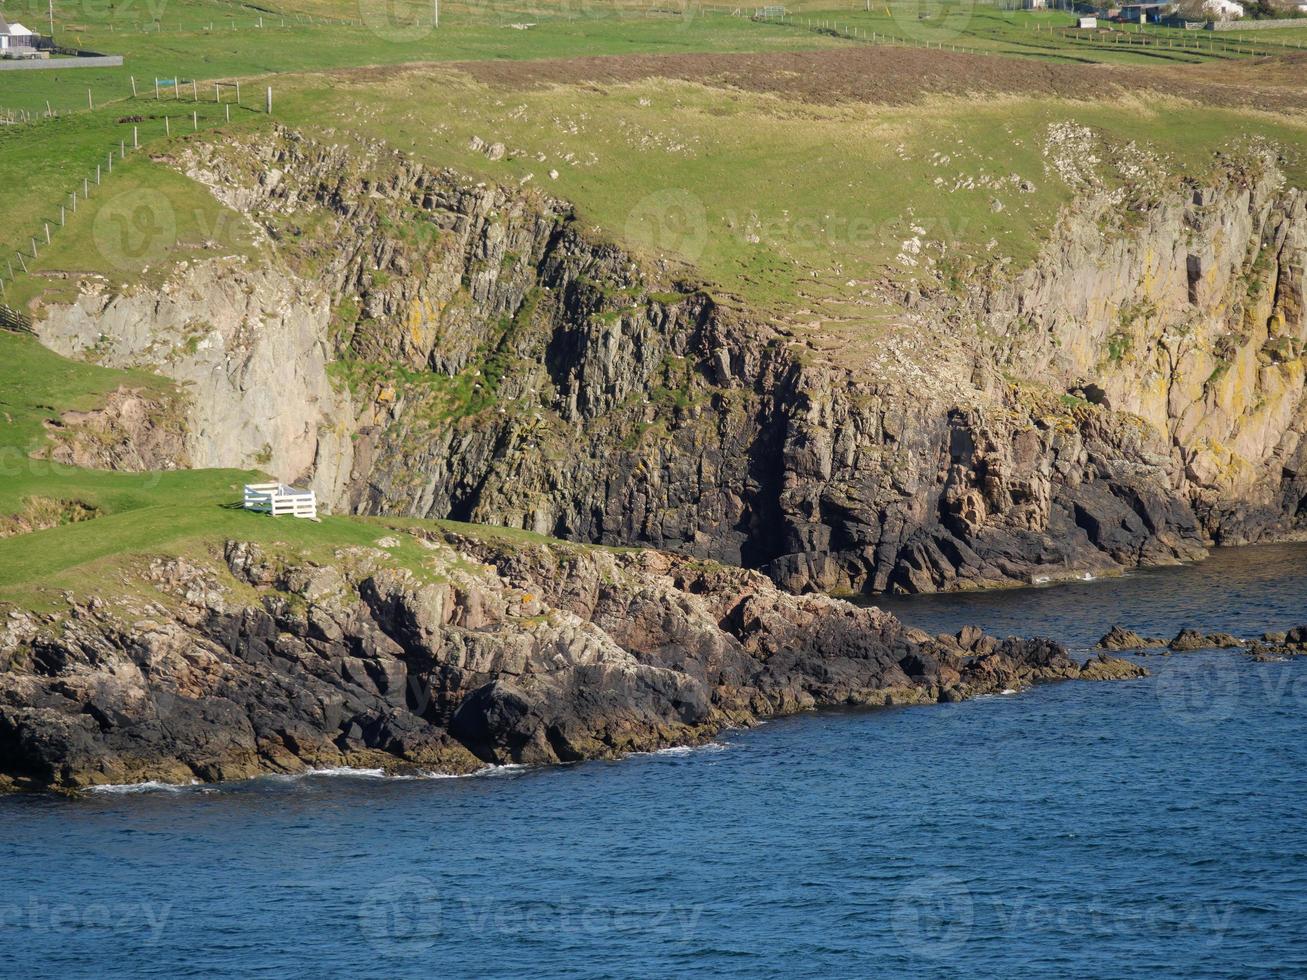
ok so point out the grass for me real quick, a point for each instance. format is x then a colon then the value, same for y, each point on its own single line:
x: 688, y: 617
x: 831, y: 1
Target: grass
x: 186, y: 512
x: 52, y: 158
x: 139, y: 224
x: 781, y: 204
x: 791, y: 207
x: 183, y: 46
x: 1047, y: 35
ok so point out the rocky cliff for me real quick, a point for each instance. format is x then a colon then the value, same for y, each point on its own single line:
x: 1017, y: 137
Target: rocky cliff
x: 491, y: 651
x: 422, y: 344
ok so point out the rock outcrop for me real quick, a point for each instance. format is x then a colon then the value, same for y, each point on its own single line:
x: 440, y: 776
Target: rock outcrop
x: 1191, y: 639
x: 133, y: 430
x: 1120, y: 638
x: 498, y: 363
x: 497, y: 651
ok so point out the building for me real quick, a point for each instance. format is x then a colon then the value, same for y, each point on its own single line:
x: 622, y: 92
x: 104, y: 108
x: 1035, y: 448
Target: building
x: 1087, y: 23
x: 1223, y: 9
x: 1144, y: 13
x: 17, y: 41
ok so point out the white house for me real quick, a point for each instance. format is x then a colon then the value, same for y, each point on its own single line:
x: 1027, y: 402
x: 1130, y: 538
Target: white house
x: 1223, y: 9
x: 14, y: 36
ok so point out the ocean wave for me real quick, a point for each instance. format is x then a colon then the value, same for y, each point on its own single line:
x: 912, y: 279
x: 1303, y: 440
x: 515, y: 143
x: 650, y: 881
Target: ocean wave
x: 680, y: 750
x: 150, y: 786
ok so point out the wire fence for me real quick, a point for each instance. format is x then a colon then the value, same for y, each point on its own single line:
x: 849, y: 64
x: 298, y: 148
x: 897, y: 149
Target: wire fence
x: 24, y: 254
x: 1113, y: 37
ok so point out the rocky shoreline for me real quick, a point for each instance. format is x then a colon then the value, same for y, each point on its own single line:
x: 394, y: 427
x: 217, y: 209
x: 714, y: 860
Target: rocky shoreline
x: 492, y: 652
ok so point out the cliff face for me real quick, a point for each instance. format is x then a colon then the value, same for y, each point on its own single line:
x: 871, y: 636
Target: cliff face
x: 494, y: 362
x: 497, y: 652
x: 249, y: 348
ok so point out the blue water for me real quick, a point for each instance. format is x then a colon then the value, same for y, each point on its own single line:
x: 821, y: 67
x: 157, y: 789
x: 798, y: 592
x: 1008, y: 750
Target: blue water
x: 1145, y: 828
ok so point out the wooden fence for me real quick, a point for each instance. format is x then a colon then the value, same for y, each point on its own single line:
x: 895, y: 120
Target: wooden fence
x: 280, y: 500
x: 11, y: 319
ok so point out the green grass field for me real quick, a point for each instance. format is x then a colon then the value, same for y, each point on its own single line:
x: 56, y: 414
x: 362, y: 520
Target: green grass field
x: 184, y: 47
x: 1047, y: 35
x: 136, y: 515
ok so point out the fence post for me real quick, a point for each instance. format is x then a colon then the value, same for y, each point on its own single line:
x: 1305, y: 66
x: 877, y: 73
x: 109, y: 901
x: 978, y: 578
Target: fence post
x: 227, y: 107
x: 133, y: 86
x: 195, y: 121
x: 167, y: 126
x: 136, y: 139
x: 156, y: 89
x: 195, y: 90
x: 97, y: 175
x: 90, y: 102
x: 269, y: 100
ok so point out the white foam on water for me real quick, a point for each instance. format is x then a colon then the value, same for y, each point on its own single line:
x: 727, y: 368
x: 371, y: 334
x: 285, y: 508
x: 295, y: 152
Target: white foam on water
x: 505, y: 770
x: 346, y: 771
x: 679, y: 750
x: 151, y: 786
x: 1008, y: 690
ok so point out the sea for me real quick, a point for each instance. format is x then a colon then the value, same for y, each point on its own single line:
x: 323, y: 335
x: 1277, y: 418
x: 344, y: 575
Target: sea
x: 1144, y: 828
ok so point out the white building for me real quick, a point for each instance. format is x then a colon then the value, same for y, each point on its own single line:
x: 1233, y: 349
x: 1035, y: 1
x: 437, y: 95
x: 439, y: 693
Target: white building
x: 15, y: 36
x: 1223, y: 9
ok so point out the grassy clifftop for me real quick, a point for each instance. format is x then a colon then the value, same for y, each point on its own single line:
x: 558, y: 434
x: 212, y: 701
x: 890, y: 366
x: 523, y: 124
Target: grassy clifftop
x: 793, y: 168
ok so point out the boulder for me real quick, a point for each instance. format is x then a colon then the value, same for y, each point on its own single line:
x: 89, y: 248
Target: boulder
x: 1119, y: 638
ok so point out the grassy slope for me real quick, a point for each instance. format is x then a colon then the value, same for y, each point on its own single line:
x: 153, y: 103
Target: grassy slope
x: 781, y: 203
x: 830, y: 187
x: 180, y: 512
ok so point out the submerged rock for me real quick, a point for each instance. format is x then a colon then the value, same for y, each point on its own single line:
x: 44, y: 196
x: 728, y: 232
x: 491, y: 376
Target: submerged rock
x: 1278, y: 644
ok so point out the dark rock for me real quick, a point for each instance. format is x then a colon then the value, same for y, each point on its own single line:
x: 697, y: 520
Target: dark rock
x: 529, y: 653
